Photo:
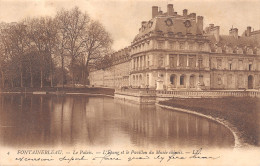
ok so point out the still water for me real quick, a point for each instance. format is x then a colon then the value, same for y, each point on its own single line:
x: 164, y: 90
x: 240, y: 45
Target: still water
x: 53, y: 121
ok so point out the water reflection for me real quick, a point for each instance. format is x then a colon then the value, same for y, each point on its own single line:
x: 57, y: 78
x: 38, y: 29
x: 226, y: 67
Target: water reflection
x: 101, y: 121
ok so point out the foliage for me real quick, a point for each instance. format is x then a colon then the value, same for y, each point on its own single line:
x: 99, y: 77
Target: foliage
x: 45, y: 51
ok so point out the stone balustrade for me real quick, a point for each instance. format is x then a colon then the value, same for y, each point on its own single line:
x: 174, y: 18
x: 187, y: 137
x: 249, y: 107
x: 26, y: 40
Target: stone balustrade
x: 151, y: 96
x: 205, y: 94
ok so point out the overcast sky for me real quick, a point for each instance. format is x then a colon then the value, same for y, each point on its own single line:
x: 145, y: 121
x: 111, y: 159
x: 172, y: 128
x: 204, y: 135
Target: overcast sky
x: 122, y: 18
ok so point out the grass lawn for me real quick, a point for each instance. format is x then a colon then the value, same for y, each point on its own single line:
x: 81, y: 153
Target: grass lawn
x: 244, y: 113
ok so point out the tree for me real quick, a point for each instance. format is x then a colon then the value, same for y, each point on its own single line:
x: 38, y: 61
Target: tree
x: 3, y: 53
x: 97, y: 43
x: 51, y: 32
x: 18, y: 45
x: 32, y: 49
x: 72, y: 25
x: 37, y: 36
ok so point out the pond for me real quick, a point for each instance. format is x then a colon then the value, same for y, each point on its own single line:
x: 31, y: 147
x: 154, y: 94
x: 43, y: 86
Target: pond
x: 54, y: 121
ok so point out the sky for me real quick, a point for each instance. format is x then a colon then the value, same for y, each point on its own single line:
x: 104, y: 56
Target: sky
x: 122, y: 18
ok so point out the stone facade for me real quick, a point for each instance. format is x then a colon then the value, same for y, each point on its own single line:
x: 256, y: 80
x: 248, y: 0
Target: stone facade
x: 117, y: 75
x: 173, y: 51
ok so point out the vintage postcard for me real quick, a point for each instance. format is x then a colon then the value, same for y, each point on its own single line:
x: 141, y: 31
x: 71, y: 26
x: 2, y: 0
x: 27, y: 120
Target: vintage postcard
x: 129, y: 82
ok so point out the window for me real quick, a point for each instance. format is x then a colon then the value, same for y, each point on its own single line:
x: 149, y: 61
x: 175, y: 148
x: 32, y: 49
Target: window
x: 170, y: 45
x: 144, y: 58
x: 191, y: 61
x: 200, y: 62
x: 160, y: 62
x: 137, y: 64
x: 229, y: 80
x: 219, y: 80
x: 172, y: 79
x: 160, y: 45
x: 172, y: 61
x: 182, y: 60
x: 219, y: 63
x: 250, y: 67
x: 182, y: 80
x: 182, y: 46
x: 148, y: 61
x: 190, y: 46
x: 240, y: 64
x: 240, y: 81
x: 147, y: 80
x: 200, y: 47
x: 230, y: 66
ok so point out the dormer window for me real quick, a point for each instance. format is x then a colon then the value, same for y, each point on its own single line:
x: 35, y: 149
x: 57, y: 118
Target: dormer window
x: 182, y: 46
x: 150, y: 24
x: 170, y: 33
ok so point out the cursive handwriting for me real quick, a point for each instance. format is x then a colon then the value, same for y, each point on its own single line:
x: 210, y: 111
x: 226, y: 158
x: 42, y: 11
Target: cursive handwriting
x: 69, y: 159
x: 110, y: 155
x: 33, y: 159
x: 138, y: 158
x: 161, y: 158
x: 107, y: 156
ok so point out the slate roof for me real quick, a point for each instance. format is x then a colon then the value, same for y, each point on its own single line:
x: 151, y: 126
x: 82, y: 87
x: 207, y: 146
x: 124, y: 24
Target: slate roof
x: 231, y: 41
x: 158, y: 24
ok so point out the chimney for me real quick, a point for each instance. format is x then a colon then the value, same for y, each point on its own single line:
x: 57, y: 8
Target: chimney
x: 170, y: 10
x: 200, y: 24
x: 185, y: 12
x: 211, y: 26
x: 143, y: 23
x: 216, y: 32
x: 248, y: 31
x: 193, y: 15
x: 154, y: 11
x: 234, y: 32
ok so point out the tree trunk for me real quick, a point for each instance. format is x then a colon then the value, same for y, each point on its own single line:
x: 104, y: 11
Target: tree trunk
x: 31, y: 75
x: 86, y: 74
x: 72, y: 69
x: 21, y: 76
x: 3, y: 79
x: 51, y: 72
x: 12, y: 83
x: 41, y: 77
x: 62, y: 68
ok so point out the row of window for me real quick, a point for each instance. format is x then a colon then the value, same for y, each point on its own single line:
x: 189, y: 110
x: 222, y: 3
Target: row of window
x: 230, y: 65
x: 172, y: 45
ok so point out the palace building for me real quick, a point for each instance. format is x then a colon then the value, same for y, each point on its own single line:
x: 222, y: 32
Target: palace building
x: 174, y: 51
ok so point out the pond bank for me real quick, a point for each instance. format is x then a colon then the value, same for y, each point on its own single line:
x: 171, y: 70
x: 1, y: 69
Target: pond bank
x: 240, y: 115
x: 61, y: 91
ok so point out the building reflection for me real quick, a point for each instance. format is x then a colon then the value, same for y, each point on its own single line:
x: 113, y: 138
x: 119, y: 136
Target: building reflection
x: 100, y: 121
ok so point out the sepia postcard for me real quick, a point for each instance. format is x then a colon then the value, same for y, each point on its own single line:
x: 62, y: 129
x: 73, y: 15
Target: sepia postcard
x: 129, y: 82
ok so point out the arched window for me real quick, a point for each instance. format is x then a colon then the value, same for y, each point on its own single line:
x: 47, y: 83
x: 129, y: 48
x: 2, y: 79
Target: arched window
x: 182, y: 80
x: 192, y: 81
x: 172, y: 79
x: 201, y: 79
x: 147, y: 80
x: 250, y: 82
x: 219, y: 79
